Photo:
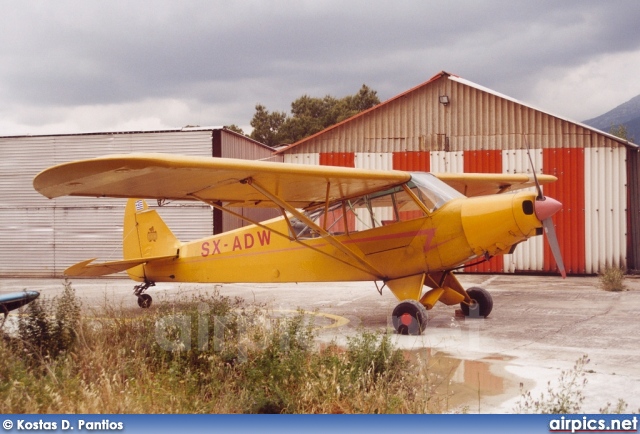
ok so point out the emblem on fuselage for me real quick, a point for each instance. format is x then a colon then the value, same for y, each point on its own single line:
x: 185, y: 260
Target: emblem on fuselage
x: 152, y: 235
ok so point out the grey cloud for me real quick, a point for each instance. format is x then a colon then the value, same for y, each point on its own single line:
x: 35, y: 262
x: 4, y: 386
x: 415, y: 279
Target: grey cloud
x: 70, y: 53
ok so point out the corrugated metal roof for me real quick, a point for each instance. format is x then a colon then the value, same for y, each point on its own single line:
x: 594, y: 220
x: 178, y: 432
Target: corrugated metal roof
x: 97, y: 133
x: 361, y: 114
x: 562, y: 118
x: 462, y: 81
x: 133, y: 132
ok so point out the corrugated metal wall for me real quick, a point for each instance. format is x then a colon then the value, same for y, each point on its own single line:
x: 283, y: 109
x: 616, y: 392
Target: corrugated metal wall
x: 42, y: 237
x: 482, y: 131
x: 302, y: 158
x: 568, y: 165
x: 228, y: 144
x: 485, y: 161
x: 605, y: 208
x: 528, y: 256
x: 633, y: 209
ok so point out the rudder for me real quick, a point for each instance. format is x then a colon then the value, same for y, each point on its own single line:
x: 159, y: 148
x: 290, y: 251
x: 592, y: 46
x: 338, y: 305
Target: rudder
x: 145, y: 234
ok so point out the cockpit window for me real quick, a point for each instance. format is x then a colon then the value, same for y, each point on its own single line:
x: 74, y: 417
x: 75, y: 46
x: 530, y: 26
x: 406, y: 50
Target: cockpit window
x: 377, y: 209
x: 434, y: 192
x: 361, y: 213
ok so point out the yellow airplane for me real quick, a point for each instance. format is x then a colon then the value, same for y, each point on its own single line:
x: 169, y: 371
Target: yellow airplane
x: 406, y: 230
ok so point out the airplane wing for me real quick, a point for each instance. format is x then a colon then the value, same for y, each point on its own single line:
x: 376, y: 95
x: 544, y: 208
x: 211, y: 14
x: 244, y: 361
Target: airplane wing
x: 177, y: 177
x: 86, y: 269
x: 14, y: 300
x: 481, y: 184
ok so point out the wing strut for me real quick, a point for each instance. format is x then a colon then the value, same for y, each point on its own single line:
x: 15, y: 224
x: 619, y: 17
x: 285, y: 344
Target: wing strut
x: 323, y: 233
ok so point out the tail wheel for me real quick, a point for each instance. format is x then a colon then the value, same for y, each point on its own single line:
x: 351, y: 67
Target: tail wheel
x: 144, y: 301
x: 409, y: 318
x: 481, y: 303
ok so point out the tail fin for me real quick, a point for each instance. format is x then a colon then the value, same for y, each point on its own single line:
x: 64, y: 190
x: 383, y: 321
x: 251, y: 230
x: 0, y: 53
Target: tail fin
x: 145, y: 234
x: 146, y: 239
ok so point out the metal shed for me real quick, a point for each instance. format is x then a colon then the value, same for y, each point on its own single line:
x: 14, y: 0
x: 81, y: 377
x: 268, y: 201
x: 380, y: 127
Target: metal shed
x: 449, y: 124
x: 42, y: 237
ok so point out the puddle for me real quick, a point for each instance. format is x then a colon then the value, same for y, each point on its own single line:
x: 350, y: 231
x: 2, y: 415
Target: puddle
x: 501, y: 357
x: 458, y: 385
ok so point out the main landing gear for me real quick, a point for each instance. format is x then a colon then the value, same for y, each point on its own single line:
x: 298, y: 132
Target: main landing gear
x: 481, y: 303
x: 409, y: 318
x: 410, y: 315
x: 144, y: 300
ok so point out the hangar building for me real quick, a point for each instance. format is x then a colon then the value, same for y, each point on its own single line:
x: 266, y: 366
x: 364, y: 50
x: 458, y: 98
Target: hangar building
x: 42, y: 237
x: 449, y: 124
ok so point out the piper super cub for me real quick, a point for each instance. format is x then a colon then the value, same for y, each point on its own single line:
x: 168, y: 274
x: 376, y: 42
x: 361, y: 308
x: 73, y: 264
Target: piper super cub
x: 409, y: 231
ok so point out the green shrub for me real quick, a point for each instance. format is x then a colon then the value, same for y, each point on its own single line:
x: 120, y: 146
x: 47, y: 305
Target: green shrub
x: 612, y: 279
x: 46, y: 336
x: 215, y: 355
x: 566, y: 397
x: 34, y: 329
x: 368, y: 353
x: 66, y: 320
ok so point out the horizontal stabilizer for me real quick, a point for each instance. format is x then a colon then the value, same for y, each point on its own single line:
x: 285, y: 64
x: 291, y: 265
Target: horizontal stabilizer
x: 86, y: 269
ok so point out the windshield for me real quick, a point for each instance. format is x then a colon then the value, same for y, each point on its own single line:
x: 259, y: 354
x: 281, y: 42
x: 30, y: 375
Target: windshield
x: 363, y: 212
x: 433, y: 192
x: 377, y: 209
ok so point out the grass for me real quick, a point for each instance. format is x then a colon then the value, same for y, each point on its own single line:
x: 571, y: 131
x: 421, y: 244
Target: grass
x: 612, y: 279
x: 565, y: 397
x: 215, y: 354
x: 208, y: 354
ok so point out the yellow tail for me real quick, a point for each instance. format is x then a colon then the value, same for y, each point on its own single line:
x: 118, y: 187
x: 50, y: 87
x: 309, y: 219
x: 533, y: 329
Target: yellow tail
x: 145, y: 235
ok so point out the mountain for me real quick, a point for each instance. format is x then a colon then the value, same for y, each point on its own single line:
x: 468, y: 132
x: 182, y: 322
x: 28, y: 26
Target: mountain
x: 627, y: 114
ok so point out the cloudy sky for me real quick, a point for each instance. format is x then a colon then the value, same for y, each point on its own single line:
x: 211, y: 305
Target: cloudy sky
x: 88, y: 66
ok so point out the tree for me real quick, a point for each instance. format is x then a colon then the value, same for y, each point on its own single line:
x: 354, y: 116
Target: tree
x: 621, y: 131
x: 266, y: 125
x: 364, y: 99
x: 309, y: 115
x: 235, y: 129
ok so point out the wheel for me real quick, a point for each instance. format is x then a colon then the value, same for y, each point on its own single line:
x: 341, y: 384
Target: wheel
x: 144, y: 300
x: 482, y: 303
x: 409, y: 318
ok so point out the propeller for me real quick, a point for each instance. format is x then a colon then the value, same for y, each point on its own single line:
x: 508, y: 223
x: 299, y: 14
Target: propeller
x: 545, y: 208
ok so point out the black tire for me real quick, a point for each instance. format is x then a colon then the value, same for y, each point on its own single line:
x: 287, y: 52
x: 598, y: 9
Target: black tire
x: 409, y: 318
x: 144, y: 301
x: 483, y: 301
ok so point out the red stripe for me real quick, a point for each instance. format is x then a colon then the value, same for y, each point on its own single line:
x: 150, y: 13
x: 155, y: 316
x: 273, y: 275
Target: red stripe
x: 568, y: 165
x: 342, y: 159
x: 412, y: 161
x: 485, y: 161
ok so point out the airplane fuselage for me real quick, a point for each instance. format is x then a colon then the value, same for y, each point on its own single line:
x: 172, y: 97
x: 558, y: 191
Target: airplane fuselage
x: 459, y: 231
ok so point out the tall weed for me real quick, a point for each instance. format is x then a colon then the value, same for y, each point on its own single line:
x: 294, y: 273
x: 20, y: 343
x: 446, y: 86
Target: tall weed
x: 565, y: 397
x: 612, y: 279
x: 44, y: 336
x: 204, y: 354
